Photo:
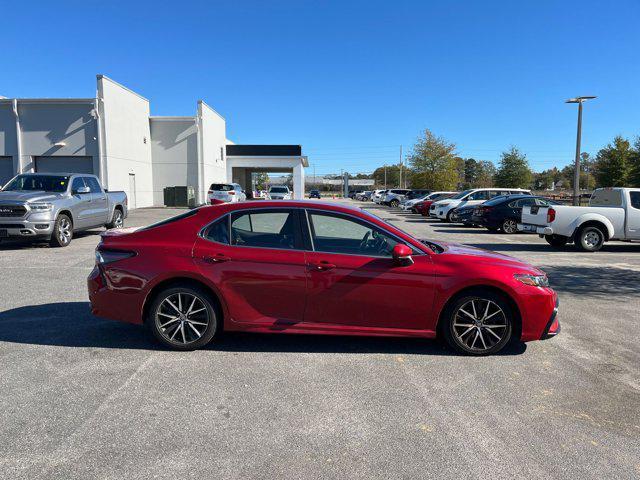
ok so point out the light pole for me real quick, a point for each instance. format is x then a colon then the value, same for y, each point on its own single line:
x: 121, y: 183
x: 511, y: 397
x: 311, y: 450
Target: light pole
x: 576, y: 174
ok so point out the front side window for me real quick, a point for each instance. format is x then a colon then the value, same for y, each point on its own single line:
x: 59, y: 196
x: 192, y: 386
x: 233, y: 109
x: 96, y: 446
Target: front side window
x: 337, y: 234
x: 77, y: 184
x: 93, y: 184
x: 266, y: 229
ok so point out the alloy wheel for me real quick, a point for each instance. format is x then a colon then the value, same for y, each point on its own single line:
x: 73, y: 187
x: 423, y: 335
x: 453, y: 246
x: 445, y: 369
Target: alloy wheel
x: 182, y: 318
x: 64, y: 230
x: 479, y: 325
x: 509, y: 226
x: 118, y: 221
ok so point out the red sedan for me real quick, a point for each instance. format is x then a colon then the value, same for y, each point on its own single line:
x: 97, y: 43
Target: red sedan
x: 302, y: 267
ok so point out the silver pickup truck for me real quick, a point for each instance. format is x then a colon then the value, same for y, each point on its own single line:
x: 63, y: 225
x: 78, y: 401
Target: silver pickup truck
x: 51, y: 207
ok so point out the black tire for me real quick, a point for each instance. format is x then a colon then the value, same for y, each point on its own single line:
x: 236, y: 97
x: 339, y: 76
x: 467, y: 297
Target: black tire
x: 590, y: 239
x: 465, y: 338
x: 117, y: 221
x: 182, y: 337
x: 557, y: 241
x: 448, y: 217
x: 509, y: 226
x: 62, y: 231
x: 394, y: 203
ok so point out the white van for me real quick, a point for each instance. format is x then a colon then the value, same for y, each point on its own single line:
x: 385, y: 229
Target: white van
x: 444, y: 208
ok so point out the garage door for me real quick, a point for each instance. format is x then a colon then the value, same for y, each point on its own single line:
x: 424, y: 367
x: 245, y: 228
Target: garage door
x: 6, y: 169
x: 64, y: 164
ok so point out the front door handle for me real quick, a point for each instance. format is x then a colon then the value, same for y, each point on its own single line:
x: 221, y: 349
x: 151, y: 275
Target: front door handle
x: 218, y: 258
x: 321, y: 266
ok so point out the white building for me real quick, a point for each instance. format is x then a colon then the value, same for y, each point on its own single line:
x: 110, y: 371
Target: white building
x: 114, y: 137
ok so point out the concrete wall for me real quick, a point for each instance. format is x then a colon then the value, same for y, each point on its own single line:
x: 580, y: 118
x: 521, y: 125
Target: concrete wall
x: 126, y: 140
x: 42, y: 125
x: 174, y: 149
x: 212, y: 141
x: 8, y: 137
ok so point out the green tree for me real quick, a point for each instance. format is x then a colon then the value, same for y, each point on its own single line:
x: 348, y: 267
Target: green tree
x: 614, y: 164
x: 478, y: 173
x: 433, y: 163
x: 393, y: 175
x: 514, y: 170
x: 261, y: 180
x: 634, y: 174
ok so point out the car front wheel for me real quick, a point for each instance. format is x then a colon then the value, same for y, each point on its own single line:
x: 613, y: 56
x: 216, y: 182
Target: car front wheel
x: 183, y: 318
x: 509, y: 226
x: 394, y: 203
x: 62, y: 232
x: 478, y: 324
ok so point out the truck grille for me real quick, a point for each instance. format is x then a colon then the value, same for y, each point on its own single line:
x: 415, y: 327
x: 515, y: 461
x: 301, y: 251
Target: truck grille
x: 12, y: 210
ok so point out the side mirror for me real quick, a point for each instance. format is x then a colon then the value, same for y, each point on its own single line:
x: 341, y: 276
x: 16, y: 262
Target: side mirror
x: 82, y: 190
x: 402, y: 255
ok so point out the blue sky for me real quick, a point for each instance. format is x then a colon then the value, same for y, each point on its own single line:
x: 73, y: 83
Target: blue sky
x: 350, y: 81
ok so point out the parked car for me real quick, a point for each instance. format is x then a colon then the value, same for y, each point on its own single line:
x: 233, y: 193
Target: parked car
x: 279, y: 192
x: 359, y: 195
x: 225, y: 192
x: 314, y: 194
x: 366, y: 196
x: 612, y: 214
x: 463, y: 215
x: 505, y: 213
x: 52, y: 207
x: 394, y: 196
x: 422, y: 205
x: 353, y: 193
x: 378, y: 195
x: 299, y: 267
x: 443, y: 209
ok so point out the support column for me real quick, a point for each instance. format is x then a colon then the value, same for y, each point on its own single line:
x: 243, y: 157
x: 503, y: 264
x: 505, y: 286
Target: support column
x: 298, y: 182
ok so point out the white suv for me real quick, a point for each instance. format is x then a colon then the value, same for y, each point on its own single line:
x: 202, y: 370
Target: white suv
x: 279, y: 192
x: 225, y: 193
x: 443, y: 209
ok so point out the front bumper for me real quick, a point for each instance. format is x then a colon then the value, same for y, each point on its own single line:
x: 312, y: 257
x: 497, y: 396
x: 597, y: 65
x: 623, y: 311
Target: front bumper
x: 38, y: 227
x: 553, y: 325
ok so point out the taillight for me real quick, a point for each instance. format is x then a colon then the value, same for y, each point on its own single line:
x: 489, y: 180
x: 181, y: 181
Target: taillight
x: 210, y: 192
x: 486, y: 209
x: 551, y: 215
x: 231, y: 192
x: 110, y: 256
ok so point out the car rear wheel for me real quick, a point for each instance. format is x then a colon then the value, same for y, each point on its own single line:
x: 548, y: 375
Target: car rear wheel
x: 394, y: 203
x: 450, y: 216
x: 590, y: 239
x: 62, y: 232
x: 117, y: 221
x: 183, y: 318
x: 478, y: 324
x: 509, y: 226
x: 556, y: 241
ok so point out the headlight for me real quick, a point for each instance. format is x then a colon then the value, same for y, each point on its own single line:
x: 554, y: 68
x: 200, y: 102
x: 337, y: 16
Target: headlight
x: 532, y: 280
x: 40, y: 207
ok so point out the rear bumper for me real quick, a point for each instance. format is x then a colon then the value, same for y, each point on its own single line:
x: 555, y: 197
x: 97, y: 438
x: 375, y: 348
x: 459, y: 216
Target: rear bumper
x: 540, y: 230
x: 112, y: 304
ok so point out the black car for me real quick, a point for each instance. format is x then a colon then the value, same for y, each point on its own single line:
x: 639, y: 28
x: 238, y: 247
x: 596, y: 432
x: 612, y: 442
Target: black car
x: 314, y: 194
x: 463, y: 215
x: 353, y: 193
x: 505, y: 212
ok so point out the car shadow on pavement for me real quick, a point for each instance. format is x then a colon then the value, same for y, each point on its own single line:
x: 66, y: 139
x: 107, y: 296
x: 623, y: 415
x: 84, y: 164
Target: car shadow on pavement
x: 544, y: 247
x: 594, y: 281
x: 17, y: 244
x: 71, y: 324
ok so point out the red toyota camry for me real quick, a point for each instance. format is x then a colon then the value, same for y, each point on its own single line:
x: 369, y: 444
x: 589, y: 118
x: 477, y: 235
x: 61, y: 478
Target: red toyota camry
x: 300, y: 267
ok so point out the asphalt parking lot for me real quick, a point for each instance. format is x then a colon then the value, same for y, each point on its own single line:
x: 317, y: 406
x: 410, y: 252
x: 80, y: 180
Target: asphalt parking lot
x: 87, y: 398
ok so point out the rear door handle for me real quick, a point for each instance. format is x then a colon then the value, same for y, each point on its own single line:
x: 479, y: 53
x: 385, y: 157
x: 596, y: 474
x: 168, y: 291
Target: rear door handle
x: 218, y: 258
x: 321, y: 266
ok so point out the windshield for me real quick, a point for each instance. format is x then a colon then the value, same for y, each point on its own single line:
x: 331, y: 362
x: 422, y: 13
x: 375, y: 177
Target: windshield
x: 461, y: 195
x: 47, y: 183
x: 279, y: 190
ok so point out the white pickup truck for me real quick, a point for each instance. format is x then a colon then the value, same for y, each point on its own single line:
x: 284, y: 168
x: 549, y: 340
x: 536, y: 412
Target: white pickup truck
x: 612, y: 214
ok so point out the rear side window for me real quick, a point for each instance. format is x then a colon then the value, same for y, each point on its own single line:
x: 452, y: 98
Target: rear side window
x: 266, y: 229
x: 635, y: 199
x: 219, y: 231
x: 606, y: 198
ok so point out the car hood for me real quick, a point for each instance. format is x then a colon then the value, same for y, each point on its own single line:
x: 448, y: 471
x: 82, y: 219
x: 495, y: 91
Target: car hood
x: 30, y: 196
x: 486, y: 256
